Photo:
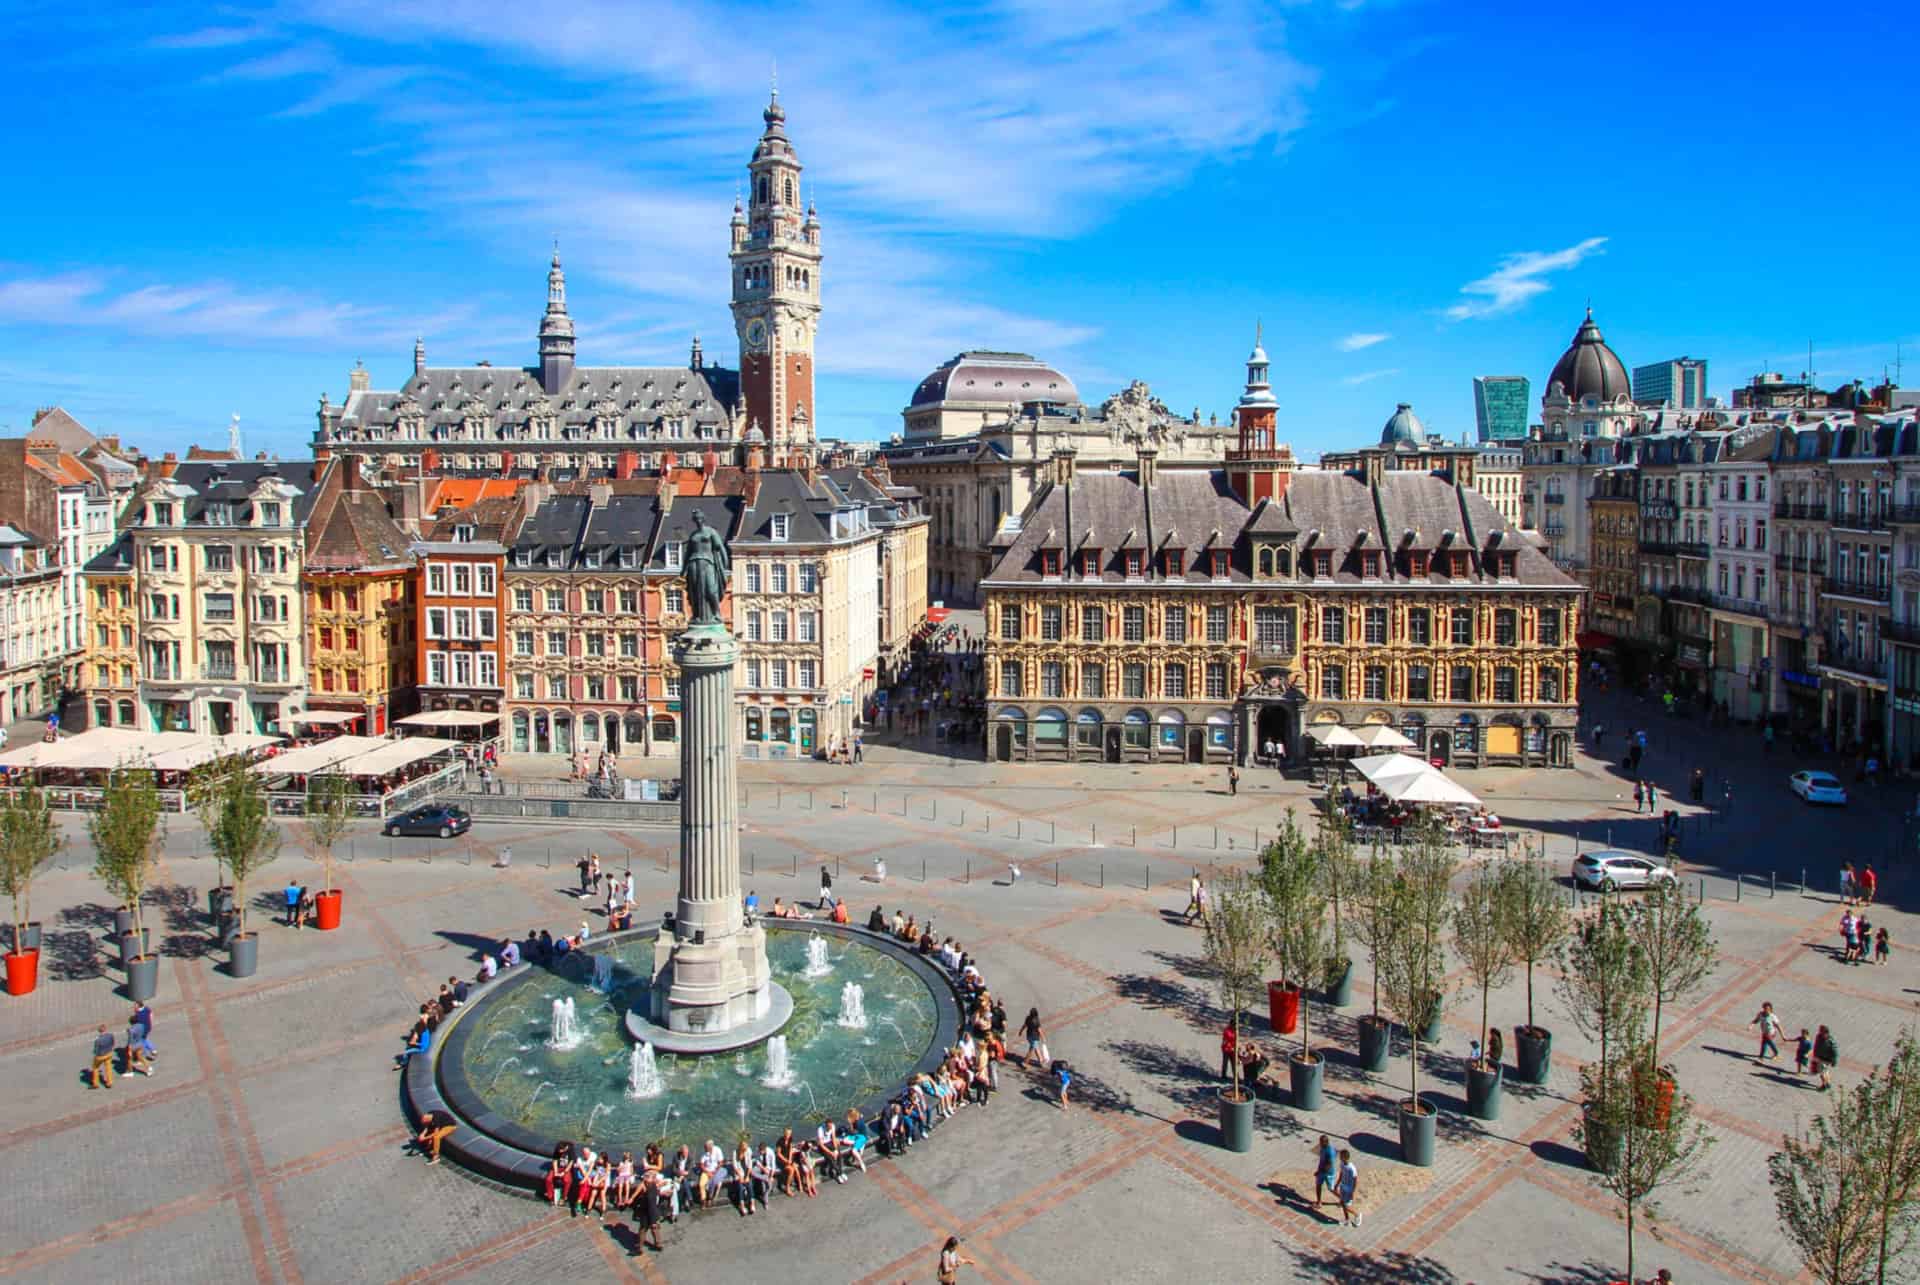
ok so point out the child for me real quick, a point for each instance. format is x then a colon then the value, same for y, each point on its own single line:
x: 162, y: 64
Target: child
x: 1064, y: 1075
x: 1880, y: 947
x: 1802, y: 1050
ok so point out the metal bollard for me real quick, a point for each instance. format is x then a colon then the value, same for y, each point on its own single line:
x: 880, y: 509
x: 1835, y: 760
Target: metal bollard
x: 1103, y: 874
x: 1056, y: 874
x: 1703, y: 890
x: 1016, y: 826
x: 1216, y: 838
x: 923, y: 870
x: 1803, y: 881
x: 778, y: 794
x: 969, y: 878
x: 1146, y: 878
x: 1093, y: 834
x: 1772, y: 885
x: 796, y: 865
x: 809, y: 800
x: 1739, y: 882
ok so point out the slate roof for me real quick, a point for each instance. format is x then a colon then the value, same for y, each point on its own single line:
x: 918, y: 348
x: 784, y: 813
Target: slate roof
x: 356, y: 533
x: 115, y: 559
x: 1194, y: 510
x: 494, y: 519
x: 639, y: 399
x: 63, y: 430
x: 200, y: 483
x: 722, y: 513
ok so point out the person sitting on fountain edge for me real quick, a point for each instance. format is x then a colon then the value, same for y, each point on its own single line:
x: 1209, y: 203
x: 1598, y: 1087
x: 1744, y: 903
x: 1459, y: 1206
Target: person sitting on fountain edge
x: 877, y: 921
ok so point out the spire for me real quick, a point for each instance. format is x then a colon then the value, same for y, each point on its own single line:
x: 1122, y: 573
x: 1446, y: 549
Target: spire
x: 696, y: 359
x: 556, y: 331
x: 1258, y: 392
x: 419, y: 355
x: 556, y: 285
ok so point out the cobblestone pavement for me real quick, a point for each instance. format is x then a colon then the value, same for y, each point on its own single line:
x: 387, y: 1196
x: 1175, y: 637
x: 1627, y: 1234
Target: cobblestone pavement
x: 269, y: 1144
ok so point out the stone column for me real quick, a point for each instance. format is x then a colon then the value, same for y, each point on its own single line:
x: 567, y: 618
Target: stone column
x: 709, y: 828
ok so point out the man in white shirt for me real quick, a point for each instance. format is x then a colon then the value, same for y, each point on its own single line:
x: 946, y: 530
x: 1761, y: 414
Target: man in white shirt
x: 829, y: 1143
x: 710, y: 1161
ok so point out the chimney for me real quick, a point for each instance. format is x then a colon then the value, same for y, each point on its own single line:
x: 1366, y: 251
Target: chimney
x: 669, y: 460
x: 625, y: 463
x: 506, y: 463
x: 358, y: 380
x: 352, y: 482
x: 534, y: 494
x: 1149, y: 467
x: 169, y: 464
x: 429, y: 460
x: 710, y: 462
x: 599, y: 493
x: 666, y: 497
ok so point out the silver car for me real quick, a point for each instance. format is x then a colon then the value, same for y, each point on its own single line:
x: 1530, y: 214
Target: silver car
x: 1608, y: 871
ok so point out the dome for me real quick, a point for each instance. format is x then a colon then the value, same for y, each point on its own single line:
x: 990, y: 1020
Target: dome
x: 1403, y: 428
x: 1006, y: 378
x: 1589, y: 368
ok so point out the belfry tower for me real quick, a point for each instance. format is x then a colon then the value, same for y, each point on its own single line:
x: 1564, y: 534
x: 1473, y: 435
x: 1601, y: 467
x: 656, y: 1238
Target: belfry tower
x: 776, y: 295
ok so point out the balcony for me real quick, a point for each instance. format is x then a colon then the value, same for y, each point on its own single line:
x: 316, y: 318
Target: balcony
x: 224, y: 672
x: 1903, y: 514
x: 1801, y: 512
x: 1274, y: 648
x: 1860, y: 590
x: 1674, y: 548
x: 1900, y: 631
x: 1689, y: 593
x: 1838, y: 655
x: 1554, y: 497
x: 1874, y: 519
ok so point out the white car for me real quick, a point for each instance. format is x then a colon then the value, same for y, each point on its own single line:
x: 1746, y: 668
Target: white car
x: 1818, y: 787
x: 1608, y: 871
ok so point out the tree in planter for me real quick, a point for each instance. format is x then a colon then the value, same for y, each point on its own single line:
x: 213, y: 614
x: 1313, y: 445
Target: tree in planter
x: 1676, y: 948
x: 1237, y: 948
x: 1413, y: 974
x: 1657, y: 1142
x: 1291, y: 874
x: 1534, y: 918
x: 1603, y: 978
x: 1821, y: 1179
x: 1376, y: 911
x: 1479, y: 937
x: 329, y: 815
x: 126, y: 833
x: 241, y: 830
x: 29, y: 838
x: 1340, y: 873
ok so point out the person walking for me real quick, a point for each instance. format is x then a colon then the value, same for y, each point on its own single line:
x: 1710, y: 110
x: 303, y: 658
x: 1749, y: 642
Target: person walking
x: 1866, y: 885
x: 1036, y: 1039
x: 102, y: 1067
x: 1233, y: 780
x: 1639, y: 797
x: 1769, y: 1031
x: 1194, y: 891
x: 1881, y: 950
x: 1653, y: 798
x: 826, y: 889
x: 1846, y: 884
x: 1825, y: 1053
x: 1699, y: 788
x: 1229, y: 1048
x: 951, y: 1261
x: 1346, y: 1187
x: 1802, y: 1052
x: 1326, y: 1166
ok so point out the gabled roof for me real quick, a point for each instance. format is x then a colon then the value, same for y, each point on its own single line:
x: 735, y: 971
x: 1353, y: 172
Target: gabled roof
x: 357, y: 532
x: 66, y: 432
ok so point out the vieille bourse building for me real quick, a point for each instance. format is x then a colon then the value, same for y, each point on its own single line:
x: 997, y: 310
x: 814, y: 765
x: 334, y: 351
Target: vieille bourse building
x: 1188, y: 615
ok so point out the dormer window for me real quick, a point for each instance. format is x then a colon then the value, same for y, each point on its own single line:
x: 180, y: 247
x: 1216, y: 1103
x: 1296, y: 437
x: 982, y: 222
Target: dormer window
x: 1090, y: 562
x: 552, y: 558
x: 1457, y: 565
x: 163, y: 515
x: 673, y: 550
x: 1135, y: 563
x: 1417, y: 563
x: 1370, y: 565
x: 218, y: 515
x: 1176, y: 562
x: 523, y: 557
x: 463, y: 534
x: 1220, y: 561
x: 1323, y: 562
x: 1050, y: 563
x: 591, y: 558
x: 782, y: 524
x: 269, y: 514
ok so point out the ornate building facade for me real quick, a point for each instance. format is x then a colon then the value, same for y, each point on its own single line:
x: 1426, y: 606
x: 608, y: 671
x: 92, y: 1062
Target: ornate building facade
x: 776, y: 296
x: 359, y: 604
x: 111, y: 672
x: 1189, y: 615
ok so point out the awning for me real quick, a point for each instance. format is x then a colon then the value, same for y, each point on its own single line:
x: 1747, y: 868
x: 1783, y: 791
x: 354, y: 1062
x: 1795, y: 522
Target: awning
x: 1382, y: 737
x: 1433, y: 787
x: 309, y: 760
x: 1382, y: 768
x: 394, y: 755
x: 1334, y: 736
x: 448, y: 718
x: 328, y: 717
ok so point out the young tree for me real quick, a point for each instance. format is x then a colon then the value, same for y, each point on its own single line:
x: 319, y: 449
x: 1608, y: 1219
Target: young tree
x: 1655, y: 1141
x: 329, y: 814
x: 29, y: 837
x: 1890, y: 1117
x: 1603, y: 978
x: 1340, y: 872
x: 240, y: 825
x: 1486, y: 950
x: 1534, y: 917
x: 1676, y: 946
x: 1237, y: 948
x: 1376, y: 911
x: 126, y: 833
x: 1414, y: 971
x: 1821, y: 1179
x: 1290, y: 883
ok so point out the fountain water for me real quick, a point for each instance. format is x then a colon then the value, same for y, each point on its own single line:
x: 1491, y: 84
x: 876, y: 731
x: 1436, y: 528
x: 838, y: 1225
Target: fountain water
x: 853, y: 1007
x: 566, y: 1029
x: 904, y: 1043
x: 779, y: 1075
x: 643, y: 1075
x: 818, y: 965
x: 501, y: 1070
x: 595, y: 1115
x: 603, y: 973
x: 740, y: 1064
x: 485, y: 1044
x: 543, y: 1087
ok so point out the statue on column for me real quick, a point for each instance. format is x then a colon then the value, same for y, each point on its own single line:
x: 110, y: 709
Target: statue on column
x: 706, y: 568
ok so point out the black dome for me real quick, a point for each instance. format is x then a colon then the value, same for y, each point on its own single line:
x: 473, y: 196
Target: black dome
x: 1589, y: 368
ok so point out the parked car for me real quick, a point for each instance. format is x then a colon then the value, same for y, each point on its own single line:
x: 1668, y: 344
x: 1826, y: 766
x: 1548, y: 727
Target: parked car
x: 1608, y: 871
x: 434, y: 819
x: 1818, y: 787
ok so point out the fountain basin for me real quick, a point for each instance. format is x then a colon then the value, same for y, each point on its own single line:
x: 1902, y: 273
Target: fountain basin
x: 667, y: 1040
x: 492, y: 1138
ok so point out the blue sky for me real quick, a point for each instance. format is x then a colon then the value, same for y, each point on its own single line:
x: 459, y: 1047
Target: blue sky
x: 217, y: 209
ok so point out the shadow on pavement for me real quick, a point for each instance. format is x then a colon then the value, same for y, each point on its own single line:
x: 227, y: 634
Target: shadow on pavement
x: 1357, y: 1267
x: 1558, y: 1153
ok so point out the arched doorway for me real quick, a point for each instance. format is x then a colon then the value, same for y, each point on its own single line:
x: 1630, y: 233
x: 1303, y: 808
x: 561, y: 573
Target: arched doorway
x: 1113, y: 745
x: 1276, y: 727
x: 1003, y: 742
x: 613, y: 734
x: 1440, y: 748
x: 542, y: 737
x: 1196, y: 745
x: 1560, y: 750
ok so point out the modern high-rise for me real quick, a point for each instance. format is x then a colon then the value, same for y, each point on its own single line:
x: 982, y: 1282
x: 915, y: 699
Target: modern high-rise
x: 1681, y: 382
x: 1501, y: 404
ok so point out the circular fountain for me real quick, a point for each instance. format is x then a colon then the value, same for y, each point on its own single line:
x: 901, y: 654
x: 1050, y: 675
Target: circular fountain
x: 713, y: 1025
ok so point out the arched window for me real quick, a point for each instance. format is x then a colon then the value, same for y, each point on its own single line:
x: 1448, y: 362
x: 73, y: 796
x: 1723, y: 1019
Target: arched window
x: 636, y: 729
x: 790, y: 192
x: 1550, y: 685
x: 766, y: 190
x: 126, y: 713
x: 102, y: 712
x: 520, y: 732
x: 664, y: 729
x: 589, y: 729
x: 563, y: 733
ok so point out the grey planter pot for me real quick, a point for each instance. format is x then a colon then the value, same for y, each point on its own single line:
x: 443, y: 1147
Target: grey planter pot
x: 134, y: 944
x: 1483, y: 1093
x: 1340, y: 988
x: 1306, y: 1077
x: 143, y: 978
x: 1416, y: 1136
x: 1376, y: 1042
x: 243, y: 954
x: 1532, y: 1054
x: 32, y: 941
x: 122, y: 921
x: 1236, y: 1122
x: 1430, y: 1034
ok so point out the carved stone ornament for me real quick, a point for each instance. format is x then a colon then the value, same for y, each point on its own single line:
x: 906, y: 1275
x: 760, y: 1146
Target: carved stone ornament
x: 1134, y: 413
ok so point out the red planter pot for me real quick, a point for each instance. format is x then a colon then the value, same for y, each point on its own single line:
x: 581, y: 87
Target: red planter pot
x: 23, y: 972
x: 326, y: 910
x: 1283, y: 1007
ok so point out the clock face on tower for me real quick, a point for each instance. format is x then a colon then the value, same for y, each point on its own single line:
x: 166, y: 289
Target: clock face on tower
x: 757, y: 335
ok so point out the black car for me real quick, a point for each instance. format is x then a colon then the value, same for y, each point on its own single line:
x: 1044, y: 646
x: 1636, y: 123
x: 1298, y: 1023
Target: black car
x: 434, y: 819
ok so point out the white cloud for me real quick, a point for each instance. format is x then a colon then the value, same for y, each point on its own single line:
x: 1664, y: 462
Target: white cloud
x: 1364, y: 339
x: 1368, y: 376
x: 1518, y: 279
x: 205, y: 310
